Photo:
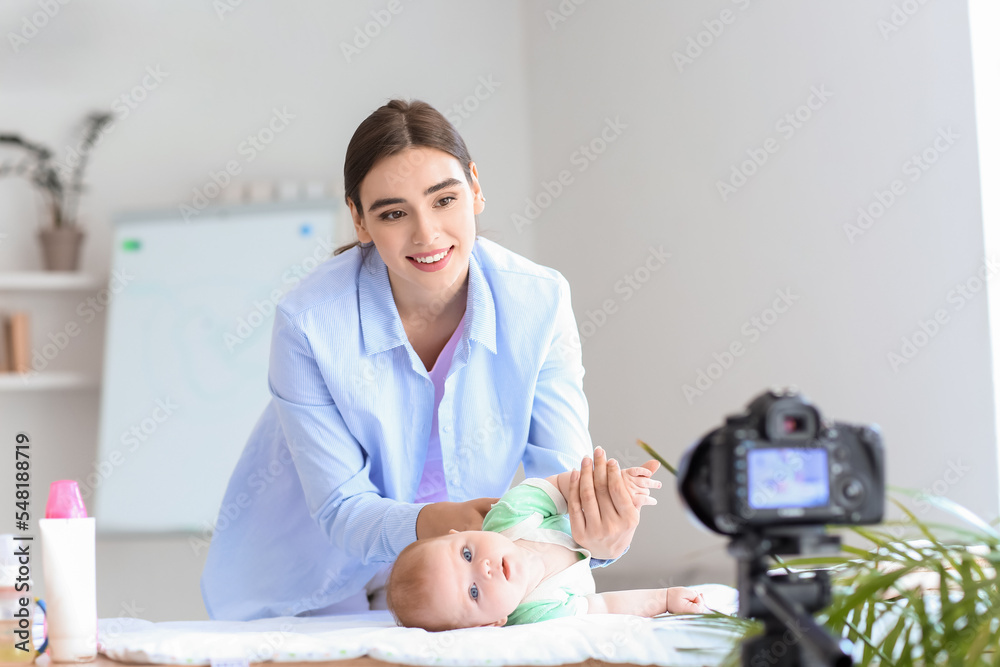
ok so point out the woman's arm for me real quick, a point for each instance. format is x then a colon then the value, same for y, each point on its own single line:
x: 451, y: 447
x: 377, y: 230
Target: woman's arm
x: 437, y: 519
x: 602, y: 515
x: 334, y: 470
x: 648, y: 602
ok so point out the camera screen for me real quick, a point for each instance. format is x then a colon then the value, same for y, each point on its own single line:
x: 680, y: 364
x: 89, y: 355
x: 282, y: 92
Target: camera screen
x: 787, y: 477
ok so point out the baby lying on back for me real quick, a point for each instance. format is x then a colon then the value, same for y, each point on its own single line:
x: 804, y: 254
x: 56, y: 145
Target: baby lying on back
x: 523, y: 567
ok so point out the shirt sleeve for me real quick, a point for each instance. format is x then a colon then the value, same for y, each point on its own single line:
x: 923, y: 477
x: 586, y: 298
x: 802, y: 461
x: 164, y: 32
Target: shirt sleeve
x: 558, y: 435
x: 330, y: 462
x: 532, y: 496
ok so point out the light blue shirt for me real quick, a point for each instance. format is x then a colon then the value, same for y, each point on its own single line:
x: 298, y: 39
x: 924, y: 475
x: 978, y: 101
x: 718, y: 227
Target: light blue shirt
x: 322, y: 496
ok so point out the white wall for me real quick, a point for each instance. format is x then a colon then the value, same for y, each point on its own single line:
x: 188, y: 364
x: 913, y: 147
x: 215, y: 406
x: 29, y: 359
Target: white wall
x: 223, y: 78
x: 654, y: 185
x: 782, y: 230
x: 986, y: 58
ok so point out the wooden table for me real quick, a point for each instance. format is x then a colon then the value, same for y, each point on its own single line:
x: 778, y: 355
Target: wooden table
x: 104, y: 661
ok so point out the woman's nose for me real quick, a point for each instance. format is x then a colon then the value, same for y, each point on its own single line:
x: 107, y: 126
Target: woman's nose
x: 424, y: 231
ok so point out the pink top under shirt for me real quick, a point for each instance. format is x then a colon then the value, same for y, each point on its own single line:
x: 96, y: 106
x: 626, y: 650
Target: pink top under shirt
x: 432, y: 487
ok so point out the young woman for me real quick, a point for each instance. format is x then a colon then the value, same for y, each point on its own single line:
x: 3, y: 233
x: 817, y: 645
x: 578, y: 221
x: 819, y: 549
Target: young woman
x: 410, y: 375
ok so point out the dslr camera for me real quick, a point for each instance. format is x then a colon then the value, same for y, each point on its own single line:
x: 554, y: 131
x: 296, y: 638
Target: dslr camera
x: 771, y: 478
x: 779, y: 464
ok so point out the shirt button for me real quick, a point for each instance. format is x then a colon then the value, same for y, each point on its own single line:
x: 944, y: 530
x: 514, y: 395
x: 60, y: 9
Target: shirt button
x: 447, y: 429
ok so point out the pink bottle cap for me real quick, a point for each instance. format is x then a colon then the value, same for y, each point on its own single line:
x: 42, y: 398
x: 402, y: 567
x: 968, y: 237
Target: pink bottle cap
x: 65, y: 501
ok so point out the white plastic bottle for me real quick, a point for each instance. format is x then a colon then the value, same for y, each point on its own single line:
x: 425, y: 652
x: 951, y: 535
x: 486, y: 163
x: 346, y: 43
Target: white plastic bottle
x: 70, y: 566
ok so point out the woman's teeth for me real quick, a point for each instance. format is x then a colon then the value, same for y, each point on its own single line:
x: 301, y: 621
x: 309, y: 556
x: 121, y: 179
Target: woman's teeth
x: 433, y: 258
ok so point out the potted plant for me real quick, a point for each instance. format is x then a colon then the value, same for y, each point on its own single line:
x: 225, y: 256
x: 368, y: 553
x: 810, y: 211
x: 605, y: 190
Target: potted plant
x: 61, y: 187
x: 923, y: 593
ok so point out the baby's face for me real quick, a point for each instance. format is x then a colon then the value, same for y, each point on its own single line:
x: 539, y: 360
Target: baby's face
x: 479, y: 577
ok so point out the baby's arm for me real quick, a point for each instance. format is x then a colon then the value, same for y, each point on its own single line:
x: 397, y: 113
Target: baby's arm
x: 648, y: 602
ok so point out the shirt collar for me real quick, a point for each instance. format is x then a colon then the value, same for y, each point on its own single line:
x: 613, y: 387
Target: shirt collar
x: 381, y: 327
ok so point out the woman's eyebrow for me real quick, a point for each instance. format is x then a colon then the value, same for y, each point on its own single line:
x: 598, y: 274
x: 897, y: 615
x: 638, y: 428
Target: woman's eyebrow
x: 389, y: 201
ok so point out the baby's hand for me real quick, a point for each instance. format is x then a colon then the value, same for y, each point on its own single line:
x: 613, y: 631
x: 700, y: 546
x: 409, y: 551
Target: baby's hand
x: 682, y: 600
x: 638, y: 481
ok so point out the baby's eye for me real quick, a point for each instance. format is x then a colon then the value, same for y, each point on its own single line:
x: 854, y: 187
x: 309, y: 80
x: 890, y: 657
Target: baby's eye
x: 474, y: 592
x: 467, y: 554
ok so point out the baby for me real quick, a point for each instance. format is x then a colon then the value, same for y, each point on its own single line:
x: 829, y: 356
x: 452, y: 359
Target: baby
x: 523, y: 567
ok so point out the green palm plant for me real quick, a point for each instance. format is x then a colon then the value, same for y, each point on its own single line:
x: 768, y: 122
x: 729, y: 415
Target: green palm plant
x: 924, y: 593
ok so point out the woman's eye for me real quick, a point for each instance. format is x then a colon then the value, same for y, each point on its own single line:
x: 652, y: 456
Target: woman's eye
x: 444, y: 201
x: 474, y: 592
x: 391, y: 215
x: 467, y: 554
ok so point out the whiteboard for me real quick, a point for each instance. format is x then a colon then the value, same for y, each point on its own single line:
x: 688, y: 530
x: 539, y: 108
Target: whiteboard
x: 190, y: 312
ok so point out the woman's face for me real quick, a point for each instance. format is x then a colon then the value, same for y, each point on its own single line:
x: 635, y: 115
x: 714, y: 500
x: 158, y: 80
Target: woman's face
x: 419, y: 210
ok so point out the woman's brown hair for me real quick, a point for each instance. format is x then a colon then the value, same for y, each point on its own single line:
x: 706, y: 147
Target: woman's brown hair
x: 391, y: 129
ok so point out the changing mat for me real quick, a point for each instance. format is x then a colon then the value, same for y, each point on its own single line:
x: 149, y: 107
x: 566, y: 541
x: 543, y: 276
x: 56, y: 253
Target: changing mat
x: 667, y: 641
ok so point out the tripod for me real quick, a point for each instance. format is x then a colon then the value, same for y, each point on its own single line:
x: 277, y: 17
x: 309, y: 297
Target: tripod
x: 784, y: 603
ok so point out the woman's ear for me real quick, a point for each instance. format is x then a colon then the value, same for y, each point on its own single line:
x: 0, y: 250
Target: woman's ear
x: 478, y: 199
x: 359, y: 223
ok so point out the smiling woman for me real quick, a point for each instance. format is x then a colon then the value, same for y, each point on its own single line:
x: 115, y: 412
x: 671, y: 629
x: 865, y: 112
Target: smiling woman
x: 424, y: 229
x: 410, y: 374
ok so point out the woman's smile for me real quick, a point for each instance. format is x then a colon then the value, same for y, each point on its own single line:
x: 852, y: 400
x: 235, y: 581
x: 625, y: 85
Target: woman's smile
x: 431, y: 261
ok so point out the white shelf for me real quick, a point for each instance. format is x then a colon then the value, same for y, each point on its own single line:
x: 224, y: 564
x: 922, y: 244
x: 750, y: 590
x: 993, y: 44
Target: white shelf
x: 49, y: 280
x: 46, y: 381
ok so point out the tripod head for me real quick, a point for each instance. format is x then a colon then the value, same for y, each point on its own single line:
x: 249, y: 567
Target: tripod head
x: 784, y: 603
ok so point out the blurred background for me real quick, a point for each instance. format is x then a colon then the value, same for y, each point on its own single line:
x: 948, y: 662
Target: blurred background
x: 742, y: 194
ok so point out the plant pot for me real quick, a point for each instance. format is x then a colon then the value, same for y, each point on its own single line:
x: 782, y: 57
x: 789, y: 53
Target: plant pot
x: 61, y: 247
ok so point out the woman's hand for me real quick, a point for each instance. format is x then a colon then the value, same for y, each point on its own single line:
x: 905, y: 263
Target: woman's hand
x: 603, y: 513
x: 437, y: 519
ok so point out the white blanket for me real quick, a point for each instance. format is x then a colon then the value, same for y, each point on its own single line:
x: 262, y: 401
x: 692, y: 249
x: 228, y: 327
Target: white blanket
x: 667, y: 641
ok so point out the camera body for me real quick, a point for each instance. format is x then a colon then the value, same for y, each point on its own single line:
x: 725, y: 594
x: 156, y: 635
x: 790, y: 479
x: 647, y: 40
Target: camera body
x: 779, y: 464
